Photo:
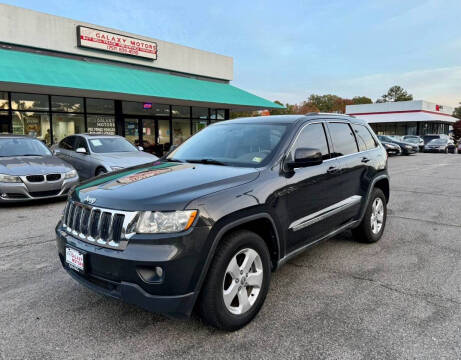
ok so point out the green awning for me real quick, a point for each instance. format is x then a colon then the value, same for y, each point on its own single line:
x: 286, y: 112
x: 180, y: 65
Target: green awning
x: 18, y: 67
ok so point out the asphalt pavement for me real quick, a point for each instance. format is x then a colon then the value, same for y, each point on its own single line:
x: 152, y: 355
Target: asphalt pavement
x: 397, y: 299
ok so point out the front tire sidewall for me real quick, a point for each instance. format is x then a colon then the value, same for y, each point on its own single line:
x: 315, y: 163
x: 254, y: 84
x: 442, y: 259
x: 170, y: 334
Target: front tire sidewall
x: 212, y: 306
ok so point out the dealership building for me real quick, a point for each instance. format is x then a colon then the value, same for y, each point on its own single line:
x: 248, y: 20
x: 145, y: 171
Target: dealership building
x: 417, y: 117
x: 60, y: 76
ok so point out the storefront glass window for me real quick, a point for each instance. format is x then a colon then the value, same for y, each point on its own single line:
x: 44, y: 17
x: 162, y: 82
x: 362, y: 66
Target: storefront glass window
x: 164, y: 134
x: 67, y: 104
x: 132, y: 131
x: 198, y: 125
x: 101, y: 124
x: 181, y: 111
x: 181, y: 131
x: 100, y: 106
x: 20, y: 101
x: 67, y: 124
x: 3, y: 100
x: 199, y: 113
x: 33, y: 124
x: 139, y: 108
x: 220, y: 114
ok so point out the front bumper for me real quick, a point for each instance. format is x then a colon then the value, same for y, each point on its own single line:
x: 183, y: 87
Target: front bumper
x: 26, y: 191
x: 121, y: 273
x: 434, y: 150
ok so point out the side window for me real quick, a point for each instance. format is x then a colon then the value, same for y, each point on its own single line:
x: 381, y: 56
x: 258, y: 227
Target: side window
x: 67, y: 143
x: 81, y: 143
x: 343, y: 139
x: 364, y: 138
x: 312, y: 136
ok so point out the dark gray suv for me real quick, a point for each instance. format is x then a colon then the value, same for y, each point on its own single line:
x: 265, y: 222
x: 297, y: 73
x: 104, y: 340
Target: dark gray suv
x: 206, y: 225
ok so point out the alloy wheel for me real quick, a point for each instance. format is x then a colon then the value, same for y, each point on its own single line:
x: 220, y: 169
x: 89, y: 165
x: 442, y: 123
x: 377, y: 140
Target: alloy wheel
x: 242, y: 281
x: 377, y: 215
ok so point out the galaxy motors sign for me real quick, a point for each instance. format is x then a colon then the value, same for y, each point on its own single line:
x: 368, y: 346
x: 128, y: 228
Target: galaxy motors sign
x: 115, y: 43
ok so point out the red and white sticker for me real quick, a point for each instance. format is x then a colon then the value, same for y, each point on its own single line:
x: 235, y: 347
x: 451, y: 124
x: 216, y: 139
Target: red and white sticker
x: 75, y: 259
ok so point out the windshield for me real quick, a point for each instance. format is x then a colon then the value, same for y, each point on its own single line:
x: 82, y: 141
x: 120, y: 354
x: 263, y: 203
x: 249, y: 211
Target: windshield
x: 22, y: 147
x: 412, y: 140
x: 396, y: 137
x: 110, y: 145
x: 236, y: 144
x: 428, y: 138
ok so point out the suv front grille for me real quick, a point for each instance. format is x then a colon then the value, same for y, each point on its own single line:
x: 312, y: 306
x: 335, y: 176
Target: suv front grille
x: 105, y: 227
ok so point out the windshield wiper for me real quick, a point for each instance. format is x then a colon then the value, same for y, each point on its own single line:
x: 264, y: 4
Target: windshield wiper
x: 171, y: 160
x: 206, y: 161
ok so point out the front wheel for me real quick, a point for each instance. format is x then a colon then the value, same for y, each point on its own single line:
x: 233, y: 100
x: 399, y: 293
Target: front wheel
x: 237, y: 282
x: 101, y: 171
x: 372, y: 226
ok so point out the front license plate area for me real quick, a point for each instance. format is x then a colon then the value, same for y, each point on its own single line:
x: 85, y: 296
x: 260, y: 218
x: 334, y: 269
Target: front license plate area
x: 75, y: 259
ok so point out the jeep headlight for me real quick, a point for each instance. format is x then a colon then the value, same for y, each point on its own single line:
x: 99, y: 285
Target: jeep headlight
x: 154, y: 222
x: 70, y: 174
x: 9, y: 178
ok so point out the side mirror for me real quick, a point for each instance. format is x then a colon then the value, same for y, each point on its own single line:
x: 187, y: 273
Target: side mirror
x: 305, y: 157
x: 81, y: 150
x: 140, y: 148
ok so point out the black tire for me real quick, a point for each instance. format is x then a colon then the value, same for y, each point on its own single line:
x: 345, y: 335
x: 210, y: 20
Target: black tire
x: 211, y: 304
x: 363, y: 233
x: 100, y: 171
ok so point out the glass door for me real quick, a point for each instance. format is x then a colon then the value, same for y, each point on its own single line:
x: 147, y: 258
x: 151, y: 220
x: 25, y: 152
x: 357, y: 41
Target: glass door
x: 132, y: 131
x: 4, y: 124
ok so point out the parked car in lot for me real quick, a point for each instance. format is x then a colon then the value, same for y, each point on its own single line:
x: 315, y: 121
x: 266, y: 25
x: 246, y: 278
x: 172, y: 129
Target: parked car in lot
x: 459, y: 146
x: 407, y: 148
x: 392, y: 149
x: 415, y: 139
x: 442, y: 145
x: 94, y: 155
x: 28, y: 170
x: 206, y: 224
x: 429, y: 137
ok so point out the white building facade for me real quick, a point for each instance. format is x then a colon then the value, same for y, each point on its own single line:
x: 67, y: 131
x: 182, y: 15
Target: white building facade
x: 418, y: 117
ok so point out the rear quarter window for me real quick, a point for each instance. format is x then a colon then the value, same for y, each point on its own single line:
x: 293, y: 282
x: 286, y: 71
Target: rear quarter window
x: 364, y: 138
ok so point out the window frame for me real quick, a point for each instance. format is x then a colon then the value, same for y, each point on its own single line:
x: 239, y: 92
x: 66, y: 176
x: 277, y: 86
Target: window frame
x: 301, y: 129
x: 349, y: 124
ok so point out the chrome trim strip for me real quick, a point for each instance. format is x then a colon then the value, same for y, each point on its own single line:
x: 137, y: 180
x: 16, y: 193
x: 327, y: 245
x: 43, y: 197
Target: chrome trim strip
x: 324, y: 213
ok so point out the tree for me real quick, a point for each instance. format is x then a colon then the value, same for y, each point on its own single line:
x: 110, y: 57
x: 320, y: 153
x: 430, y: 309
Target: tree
x: 357, y: 100
x: 395, y: 93
x: 279, y: 111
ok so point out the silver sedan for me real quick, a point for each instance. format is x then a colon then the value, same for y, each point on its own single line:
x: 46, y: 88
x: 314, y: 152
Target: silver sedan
x: 93, y: 155
x: 28, y: 170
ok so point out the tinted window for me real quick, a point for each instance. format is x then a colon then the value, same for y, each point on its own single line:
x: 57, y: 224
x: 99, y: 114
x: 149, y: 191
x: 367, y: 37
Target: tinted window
x: 312, y: 136
x: 364, y: 138
x: 343, y: 139
x: 81, y: 143
x: 67, y: 143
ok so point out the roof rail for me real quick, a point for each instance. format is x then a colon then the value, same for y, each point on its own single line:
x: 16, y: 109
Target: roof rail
x: 325, y: 113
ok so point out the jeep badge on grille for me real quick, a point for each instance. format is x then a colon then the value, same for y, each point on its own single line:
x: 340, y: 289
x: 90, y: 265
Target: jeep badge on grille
x: 89, y: 200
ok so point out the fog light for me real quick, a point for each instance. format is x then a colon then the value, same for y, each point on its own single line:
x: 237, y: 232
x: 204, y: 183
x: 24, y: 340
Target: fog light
x: 4, y: 195
x: 150, y: 274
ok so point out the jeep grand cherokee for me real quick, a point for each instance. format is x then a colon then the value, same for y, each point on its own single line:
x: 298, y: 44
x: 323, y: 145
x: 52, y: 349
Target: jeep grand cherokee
x: 206, y: 225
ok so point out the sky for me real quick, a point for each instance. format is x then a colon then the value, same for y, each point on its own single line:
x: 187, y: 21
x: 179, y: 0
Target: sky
x: 287, y: 50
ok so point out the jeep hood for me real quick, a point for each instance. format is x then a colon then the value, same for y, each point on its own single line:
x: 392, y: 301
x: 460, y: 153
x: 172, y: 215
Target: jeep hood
x: 160, y: 185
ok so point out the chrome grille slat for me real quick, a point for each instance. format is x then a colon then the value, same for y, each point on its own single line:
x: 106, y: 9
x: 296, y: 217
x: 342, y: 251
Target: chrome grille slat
x: 106, y: 227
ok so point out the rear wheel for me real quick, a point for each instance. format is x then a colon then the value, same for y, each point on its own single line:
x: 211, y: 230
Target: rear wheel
x: 237, y: 282
x: 372, y: 226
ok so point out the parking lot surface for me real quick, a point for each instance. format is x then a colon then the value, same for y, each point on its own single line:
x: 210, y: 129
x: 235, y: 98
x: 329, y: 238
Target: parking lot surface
x: 397, y: 299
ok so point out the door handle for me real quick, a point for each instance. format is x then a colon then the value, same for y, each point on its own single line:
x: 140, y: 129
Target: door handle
x: 332, y: 170
x: 365, y: 159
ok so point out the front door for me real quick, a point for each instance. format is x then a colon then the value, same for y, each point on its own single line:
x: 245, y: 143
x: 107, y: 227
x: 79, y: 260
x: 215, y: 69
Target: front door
x: 310, y: 191
x: 4, y: 124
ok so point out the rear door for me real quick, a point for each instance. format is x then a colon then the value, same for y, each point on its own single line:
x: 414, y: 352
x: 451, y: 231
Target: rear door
x: 82, y: 161
x: 65, y: 148
x: 353, y: 168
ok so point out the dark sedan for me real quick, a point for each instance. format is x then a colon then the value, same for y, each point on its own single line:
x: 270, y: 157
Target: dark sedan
x: 391, y: 149
x: 406, y: 147
x: 28, y: 170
